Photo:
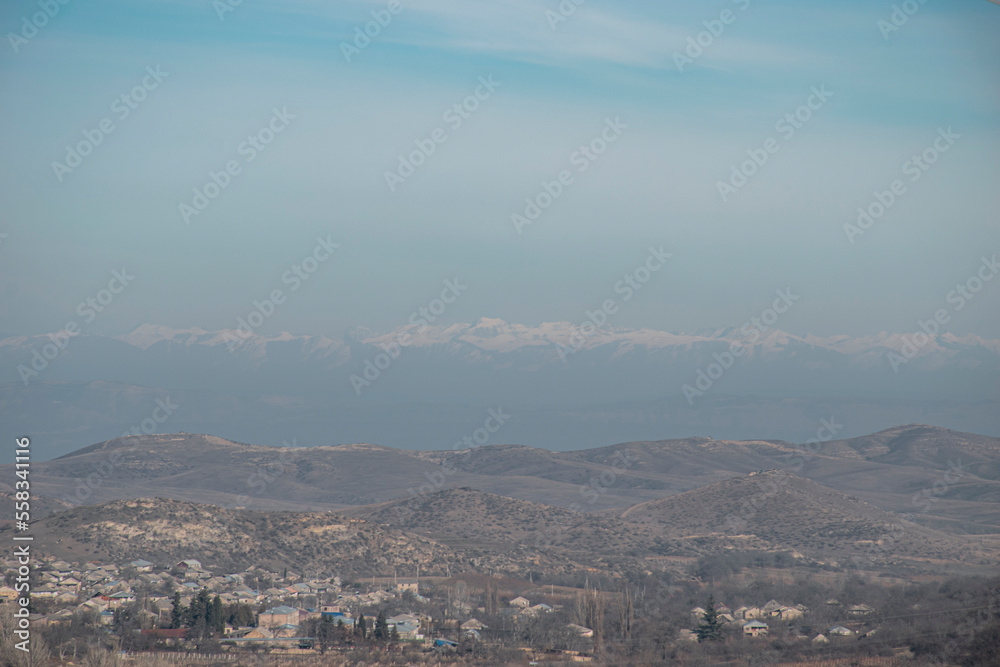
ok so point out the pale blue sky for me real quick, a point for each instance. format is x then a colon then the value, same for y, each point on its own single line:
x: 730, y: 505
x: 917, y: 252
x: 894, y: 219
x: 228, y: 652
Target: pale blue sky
x: 656, y: 185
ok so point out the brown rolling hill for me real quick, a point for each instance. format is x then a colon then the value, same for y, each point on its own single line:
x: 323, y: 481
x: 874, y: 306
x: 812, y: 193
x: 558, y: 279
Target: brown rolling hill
x: 467, y: 530
x: 769, y: 511
x: 167, y: 531
x: 465, y: 518
x: 791, y: 512
x: 907, y: 469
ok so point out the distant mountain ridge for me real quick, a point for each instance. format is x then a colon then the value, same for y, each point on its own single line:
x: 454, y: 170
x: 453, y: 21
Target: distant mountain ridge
x: 492, y: 360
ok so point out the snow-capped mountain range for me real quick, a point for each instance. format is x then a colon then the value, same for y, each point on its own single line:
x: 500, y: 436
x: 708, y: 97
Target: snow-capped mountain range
x: 491, y: 359
x: 567, y: 386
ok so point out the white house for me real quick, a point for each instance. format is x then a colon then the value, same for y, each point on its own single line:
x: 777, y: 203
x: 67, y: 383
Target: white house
x: 755, y: 629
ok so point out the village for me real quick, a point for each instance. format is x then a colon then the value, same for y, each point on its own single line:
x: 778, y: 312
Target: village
x: 186, y: 606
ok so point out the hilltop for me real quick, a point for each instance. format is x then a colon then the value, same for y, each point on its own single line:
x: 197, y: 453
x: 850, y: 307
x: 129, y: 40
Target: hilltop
x: 945, y: 479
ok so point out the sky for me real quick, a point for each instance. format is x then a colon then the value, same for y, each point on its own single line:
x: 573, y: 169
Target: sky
x: 225, y: 72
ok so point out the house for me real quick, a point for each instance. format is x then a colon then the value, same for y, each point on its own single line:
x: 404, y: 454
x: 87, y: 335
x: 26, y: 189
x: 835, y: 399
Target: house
x: 698, y: 611
x: 331, y: 612
x: 61, y: 617
x: 7, y: 594
x: 259, y: 633
x: 789, y: 613
x: 740, y: 612
x: 405, y: 627
x: 169, y: 635
x: 772, y: 608
x: 286, y: 630
x: 840, y: 631
x: 473, y: 624
x: 107, y: 617
x: 95, y: 577
x: 537, y: 609
x: 164, y: 609
x: 277, y: 616
x: 686, y: 635
x: 116, y: 600
x: 141, y: 565
x: 581, y: 631
x: 859, y: 610
x: 94, y: 604
x: 755, y: 629
x: 521, y: 602
x: 820, y: 639
x: 411, y: 585
x: 318, y: 587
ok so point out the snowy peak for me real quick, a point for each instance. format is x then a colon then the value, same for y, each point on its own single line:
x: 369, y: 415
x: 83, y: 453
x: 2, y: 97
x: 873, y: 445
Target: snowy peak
x: 495, y: 335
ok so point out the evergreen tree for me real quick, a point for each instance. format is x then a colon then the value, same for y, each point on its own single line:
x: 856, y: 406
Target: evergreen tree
x: 198, y: 610
x: 214, y: 616
x: 381, y: 627
x: 240, y: 615
x: 362, y: 627
x: 711, y: 627
x: 177, y: 613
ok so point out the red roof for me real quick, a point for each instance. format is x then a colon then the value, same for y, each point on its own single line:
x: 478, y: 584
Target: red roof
x: 166, y: 633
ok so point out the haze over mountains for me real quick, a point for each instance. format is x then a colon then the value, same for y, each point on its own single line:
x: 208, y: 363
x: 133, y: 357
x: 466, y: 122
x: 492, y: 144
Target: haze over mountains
x: 638, y: 363
x: 563, y: 392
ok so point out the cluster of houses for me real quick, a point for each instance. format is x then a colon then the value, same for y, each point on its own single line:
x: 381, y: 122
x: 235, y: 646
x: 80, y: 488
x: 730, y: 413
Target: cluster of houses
x: 291, y: 601
x: 750, y: 618
x: 103, y: 588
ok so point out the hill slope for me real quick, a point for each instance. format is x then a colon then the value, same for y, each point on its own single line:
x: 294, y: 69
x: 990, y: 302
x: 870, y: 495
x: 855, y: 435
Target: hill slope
x: 167, y: 531
x: 946, y: 479
x: 784, y: 510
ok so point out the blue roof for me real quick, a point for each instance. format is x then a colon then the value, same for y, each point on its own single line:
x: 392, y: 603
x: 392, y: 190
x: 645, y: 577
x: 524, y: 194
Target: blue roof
x: 282, y: 610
